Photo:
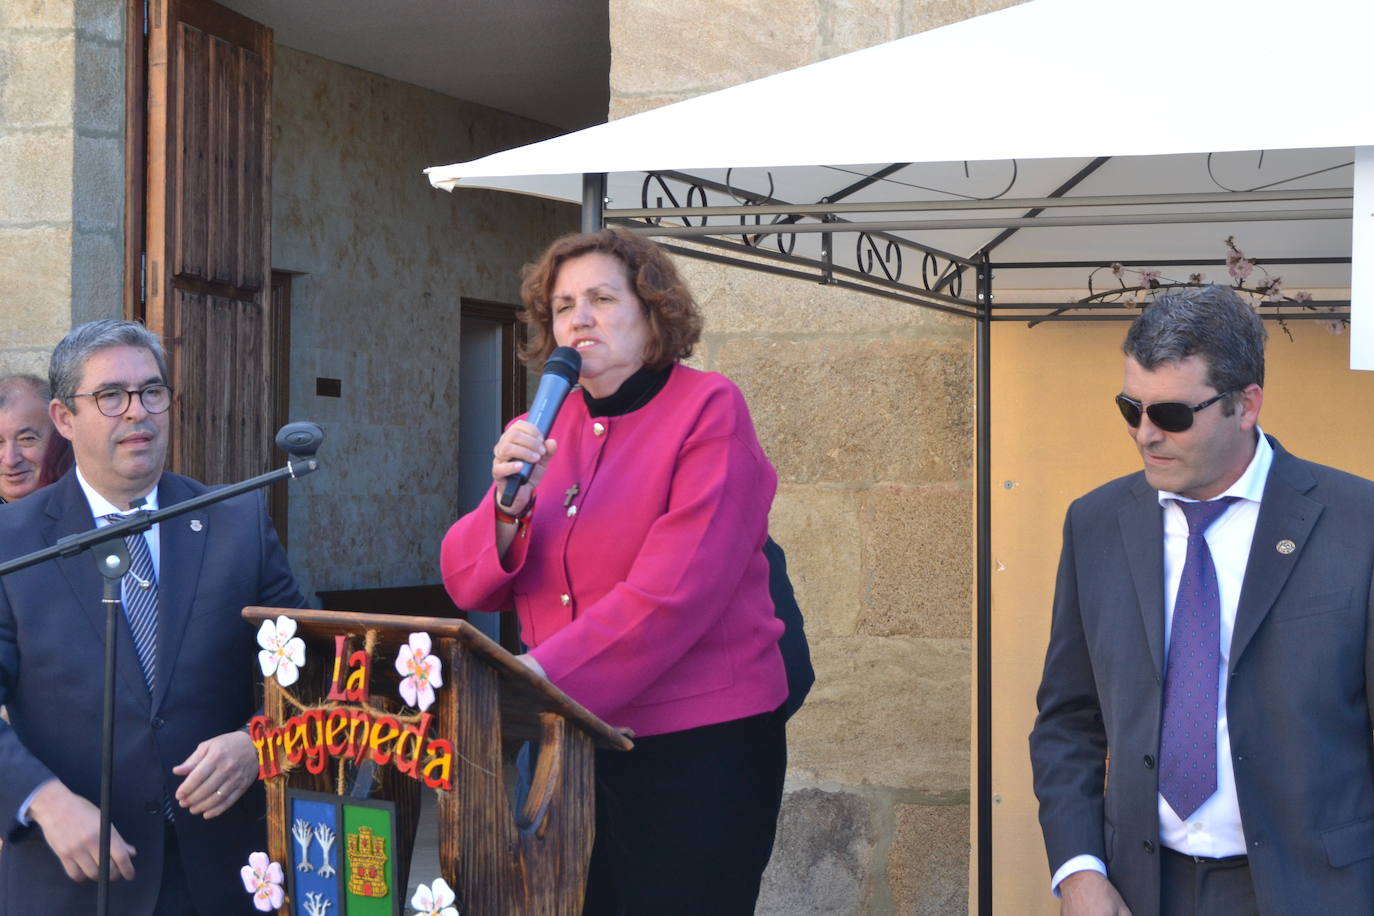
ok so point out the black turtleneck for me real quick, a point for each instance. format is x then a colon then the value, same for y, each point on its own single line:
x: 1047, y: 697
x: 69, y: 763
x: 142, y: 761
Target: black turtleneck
x: 633, y: 393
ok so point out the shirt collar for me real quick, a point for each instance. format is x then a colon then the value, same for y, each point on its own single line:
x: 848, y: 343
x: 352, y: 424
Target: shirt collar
x: 1249, y: 485
x: 100, y: 506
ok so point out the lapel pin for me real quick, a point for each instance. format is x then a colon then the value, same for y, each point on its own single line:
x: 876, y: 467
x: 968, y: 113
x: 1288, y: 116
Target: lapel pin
x: 1285, y: 547
x: 196, y: 526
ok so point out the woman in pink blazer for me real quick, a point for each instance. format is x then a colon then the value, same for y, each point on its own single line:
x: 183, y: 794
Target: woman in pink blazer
x: 640, y: 580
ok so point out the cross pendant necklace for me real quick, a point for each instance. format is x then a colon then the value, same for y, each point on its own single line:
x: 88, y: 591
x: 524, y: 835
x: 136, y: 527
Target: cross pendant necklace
x: 569, y: 494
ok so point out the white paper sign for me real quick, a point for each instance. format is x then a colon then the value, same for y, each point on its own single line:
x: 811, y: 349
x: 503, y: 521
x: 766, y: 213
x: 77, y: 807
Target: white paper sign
x: 1362, y: 262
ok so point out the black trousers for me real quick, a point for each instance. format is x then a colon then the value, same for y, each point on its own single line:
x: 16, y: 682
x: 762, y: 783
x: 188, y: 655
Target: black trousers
x: 685, y: 821
x: 1192, y: 886
x: 174, y: 895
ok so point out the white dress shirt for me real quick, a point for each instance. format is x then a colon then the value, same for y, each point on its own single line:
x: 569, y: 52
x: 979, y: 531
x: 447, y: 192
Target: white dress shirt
x: 101, y: 507
x: 1214, y: 829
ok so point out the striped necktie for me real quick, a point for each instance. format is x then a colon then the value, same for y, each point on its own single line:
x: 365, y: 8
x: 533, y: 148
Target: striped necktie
x: 140, y: 609
x: 140, y: 601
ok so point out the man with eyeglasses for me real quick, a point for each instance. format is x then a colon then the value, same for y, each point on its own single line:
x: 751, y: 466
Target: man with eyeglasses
x: 1203, y: 743
x: 187, y: 809
x: 25, y: 434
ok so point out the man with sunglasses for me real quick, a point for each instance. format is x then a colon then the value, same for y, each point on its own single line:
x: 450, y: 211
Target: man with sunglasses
x: 187, y: 810
x: 1211, y: 639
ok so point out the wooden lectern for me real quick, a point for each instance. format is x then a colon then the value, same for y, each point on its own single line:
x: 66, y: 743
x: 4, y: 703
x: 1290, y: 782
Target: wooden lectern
x: 340, y: 734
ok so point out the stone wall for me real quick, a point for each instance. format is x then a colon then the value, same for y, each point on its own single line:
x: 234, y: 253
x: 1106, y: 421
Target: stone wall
x: 866, y: 408
x: 61, y: 172
x: 381, y: 262
x: 664, y: 51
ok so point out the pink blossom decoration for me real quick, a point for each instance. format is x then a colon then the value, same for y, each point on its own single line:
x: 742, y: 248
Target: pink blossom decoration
x: 263, y: 879
x: 1335, y: 326
x: 1150, y: 279
x: 283, y: 652
x: 420, y: 671
x: 435, y: 900
x: 1302, y: 297
x: 1237, y: 264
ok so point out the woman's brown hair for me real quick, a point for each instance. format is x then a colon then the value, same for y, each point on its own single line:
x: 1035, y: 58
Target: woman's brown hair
x: 673, y: 318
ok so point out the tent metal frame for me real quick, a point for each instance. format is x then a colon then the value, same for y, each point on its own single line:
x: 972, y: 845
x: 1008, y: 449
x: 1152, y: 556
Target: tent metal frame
x: 941, y: 289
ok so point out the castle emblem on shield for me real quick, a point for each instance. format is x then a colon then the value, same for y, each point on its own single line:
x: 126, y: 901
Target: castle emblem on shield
x: 367, y: 860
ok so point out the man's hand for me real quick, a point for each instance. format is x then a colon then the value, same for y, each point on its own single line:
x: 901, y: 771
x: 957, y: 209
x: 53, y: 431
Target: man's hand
x: 218, y: 771
x: 71, y: 825
x: 1089, y: 893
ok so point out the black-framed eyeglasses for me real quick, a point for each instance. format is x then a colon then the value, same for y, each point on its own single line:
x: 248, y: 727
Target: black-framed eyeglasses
x: 1170, y: 416
x: 112, y: 402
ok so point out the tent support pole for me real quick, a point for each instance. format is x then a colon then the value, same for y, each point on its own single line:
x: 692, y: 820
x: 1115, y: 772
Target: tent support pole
x: 983, y: 624
x: 593, y: 201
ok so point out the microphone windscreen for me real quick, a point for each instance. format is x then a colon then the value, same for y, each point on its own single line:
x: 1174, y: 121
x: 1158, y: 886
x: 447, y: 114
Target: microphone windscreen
x: 566, y: 363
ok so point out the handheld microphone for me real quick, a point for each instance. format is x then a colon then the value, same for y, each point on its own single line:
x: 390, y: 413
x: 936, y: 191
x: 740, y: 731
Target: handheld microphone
x: 560, y: 375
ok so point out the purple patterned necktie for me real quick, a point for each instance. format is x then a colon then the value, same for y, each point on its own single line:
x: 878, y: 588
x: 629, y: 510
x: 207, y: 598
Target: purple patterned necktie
x: 1188, y: 737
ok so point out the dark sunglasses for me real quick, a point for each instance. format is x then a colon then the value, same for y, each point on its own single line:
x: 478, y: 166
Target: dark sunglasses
x: 1170, y: 416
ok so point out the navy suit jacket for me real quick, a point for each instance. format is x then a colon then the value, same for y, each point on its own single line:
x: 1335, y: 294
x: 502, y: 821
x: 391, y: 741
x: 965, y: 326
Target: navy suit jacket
x: 52, y: 625
x: 1298, y: 700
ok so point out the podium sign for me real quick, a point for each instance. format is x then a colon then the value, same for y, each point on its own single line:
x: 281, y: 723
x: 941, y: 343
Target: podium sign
x: 362, y: 713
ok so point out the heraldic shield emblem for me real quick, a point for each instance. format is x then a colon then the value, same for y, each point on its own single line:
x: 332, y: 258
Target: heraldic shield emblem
x: 343, y: 855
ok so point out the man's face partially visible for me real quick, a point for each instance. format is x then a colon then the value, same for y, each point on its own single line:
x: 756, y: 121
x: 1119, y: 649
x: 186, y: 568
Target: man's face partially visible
x: 25, y: 431
x: 121, y: 457
x: 1202, y: 461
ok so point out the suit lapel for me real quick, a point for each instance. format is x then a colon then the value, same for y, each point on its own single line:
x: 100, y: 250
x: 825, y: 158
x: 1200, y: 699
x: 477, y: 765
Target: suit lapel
x: 1142, y: 531
x: 69, y: 513
x: 182, y: 544
x: 1285, y: 515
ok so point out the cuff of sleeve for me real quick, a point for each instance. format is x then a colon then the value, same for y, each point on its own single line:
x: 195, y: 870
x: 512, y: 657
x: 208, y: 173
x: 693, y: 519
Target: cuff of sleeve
x: 22, y: 815
x: 1077, y: 864
x: 514, y: 559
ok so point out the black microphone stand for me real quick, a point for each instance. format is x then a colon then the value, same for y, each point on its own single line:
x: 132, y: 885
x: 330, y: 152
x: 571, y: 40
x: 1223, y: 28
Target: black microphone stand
x: 107, y: 546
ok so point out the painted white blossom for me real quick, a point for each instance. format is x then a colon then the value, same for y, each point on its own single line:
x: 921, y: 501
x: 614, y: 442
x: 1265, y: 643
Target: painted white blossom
x: 283, y: 652
x: 263, y: 879
x: 420, y: 672
x: 434, y: 900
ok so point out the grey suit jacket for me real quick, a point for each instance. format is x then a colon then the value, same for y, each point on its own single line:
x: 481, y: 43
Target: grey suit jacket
x: 1298, y: 701
x: 213, y: 563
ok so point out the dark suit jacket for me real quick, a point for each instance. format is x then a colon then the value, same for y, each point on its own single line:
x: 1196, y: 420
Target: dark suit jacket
x: 51, y: 657
x: 1298, y: 702
x: 796, y: 652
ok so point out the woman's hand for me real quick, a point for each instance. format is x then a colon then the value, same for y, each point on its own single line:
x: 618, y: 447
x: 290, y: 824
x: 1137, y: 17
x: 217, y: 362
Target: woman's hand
x: 521, y: 442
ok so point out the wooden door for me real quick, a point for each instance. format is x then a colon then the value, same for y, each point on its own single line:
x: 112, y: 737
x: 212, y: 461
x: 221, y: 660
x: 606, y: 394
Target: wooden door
x: 208, y: 240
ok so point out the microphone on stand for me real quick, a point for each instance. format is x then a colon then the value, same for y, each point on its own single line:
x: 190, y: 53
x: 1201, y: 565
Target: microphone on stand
x: 560, y: 375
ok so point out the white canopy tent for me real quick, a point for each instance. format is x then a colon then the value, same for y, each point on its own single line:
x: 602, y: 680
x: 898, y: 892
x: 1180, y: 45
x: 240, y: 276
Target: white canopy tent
x: 1208, y: 119
x: 1031, y: 145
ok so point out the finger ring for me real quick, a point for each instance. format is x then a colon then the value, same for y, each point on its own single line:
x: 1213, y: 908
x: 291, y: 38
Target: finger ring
x: 219, y: 793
